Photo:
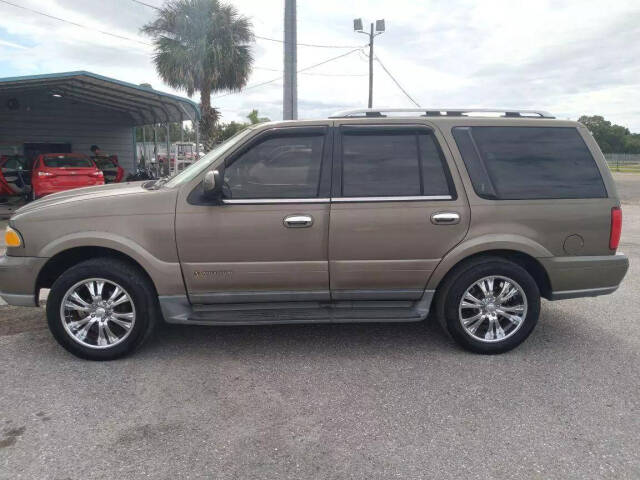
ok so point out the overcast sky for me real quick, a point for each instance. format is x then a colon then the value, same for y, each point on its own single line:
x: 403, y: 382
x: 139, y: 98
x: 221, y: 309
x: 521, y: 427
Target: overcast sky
x: 568, y: 57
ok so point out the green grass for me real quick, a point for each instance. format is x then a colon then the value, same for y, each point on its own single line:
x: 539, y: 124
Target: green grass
x: 630, y: 169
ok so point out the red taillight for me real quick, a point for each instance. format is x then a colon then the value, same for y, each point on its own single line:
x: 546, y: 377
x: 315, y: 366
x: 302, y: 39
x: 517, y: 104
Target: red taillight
x: 616, y: 228
x: 43, y: 173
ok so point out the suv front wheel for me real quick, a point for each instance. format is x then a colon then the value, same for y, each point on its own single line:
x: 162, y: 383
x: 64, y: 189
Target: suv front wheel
x: 101, y: 309
x: 491, y: 305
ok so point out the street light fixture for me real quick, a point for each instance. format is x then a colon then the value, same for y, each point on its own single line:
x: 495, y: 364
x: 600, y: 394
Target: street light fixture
x: 374, y: 32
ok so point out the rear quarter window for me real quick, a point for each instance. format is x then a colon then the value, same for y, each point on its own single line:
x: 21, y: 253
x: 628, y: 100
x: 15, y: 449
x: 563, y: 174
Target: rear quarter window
x: 517, y: 163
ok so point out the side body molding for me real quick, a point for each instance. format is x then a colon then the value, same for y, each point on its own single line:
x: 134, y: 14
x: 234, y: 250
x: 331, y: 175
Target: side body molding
x: 484, y: 243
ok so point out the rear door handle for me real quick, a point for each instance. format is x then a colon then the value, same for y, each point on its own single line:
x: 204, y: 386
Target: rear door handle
x: 445, y: 218
x: 298, y: 221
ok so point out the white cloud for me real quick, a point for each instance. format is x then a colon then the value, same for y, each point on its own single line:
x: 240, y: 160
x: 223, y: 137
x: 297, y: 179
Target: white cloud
x: 570, y: 57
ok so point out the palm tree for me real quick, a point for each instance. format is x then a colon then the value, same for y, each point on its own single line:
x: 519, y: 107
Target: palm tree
x: 202, y: 45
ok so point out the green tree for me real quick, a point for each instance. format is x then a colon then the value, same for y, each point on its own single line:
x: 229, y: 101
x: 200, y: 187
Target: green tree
x: 161, y: 134
x: 228, y: 130
x: 255, y: 118
x: 611, y: 138
x: 632, y: 143
x: 202, y: 45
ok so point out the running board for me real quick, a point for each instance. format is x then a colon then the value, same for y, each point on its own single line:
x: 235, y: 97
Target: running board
x: 178, y: 310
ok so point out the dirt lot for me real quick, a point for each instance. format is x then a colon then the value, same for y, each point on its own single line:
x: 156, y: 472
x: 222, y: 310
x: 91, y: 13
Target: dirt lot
x: 335, y: 401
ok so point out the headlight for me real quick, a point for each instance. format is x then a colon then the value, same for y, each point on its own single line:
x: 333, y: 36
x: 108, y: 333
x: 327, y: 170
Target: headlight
x: 12, y: 238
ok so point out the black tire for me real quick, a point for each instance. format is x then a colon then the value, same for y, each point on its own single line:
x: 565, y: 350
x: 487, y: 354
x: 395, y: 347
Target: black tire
x: 129, y: 277
x: 450, y: 294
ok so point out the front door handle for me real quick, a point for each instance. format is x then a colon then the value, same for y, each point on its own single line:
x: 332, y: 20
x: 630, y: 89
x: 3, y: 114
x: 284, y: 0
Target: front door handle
x: 445, y: 218
x: 298, y: 221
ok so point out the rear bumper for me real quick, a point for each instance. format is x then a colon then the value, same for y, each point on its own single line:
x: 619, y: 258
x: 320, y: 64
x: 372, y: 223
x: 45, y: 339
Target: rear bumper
x: 573, y: 277
x: 18, y: 279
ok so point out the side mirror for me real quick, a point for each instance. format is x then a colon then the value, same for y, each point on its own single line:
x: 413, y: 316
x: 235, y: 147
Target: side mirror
x: 212, y: 184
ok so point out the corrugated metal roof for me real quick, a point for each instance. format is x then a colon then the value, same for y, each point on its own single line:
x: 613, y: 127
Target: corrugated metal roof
x: 145, y: 105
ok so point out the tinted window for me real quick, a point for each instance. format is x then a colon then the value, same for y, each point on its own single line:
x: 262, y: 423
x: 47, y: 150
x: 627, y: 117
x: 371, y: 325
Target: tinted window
x: 392, y: 164
x: 434, y: 178
x: 529, y: 162
x: 279, y: 167
x: 63, y: 161
x: 15, y: 163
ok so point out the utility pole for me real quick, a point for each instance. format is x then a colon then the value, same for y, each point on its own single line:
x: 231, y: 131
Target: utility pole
x: 290, y: 91
x: 371, y: 37
x: 373, y: 33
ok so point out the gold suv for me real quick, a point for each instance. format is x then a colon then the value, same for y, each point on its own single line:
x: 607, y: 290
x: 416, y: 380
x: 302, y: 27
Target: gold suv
x: 367, y: 216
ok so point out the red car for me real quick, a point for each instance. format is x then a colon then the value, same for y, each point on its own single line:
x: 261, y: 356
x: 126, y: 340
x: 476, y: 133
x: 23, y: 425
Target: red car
x: 113, y: 172
x: 56, y: 172
x: 15, y: 175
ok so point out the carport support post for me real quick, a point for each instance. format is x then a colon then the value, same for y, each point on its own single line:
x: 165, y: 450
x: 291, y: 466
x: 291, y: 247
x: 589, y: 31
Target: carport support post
x: 136, y: 160
x: 144, y: 148
x: 168, y: 132
x: 155, y: 150
x: 196, y: 127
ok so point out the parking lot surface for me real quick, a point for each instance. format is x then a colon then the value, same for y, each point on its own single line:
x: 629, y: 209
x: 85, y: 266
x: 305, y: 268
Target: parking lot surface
x: 334, y: 401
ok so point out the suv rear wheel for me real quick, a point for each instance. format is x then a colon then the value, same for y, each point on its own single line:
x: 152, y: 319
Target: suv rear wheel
x: 491, y: 305
x: 101, y: 309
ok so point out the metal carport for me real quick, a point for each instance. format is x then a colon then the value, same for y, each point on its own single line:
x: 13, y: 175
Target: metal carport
x: 83, y: 108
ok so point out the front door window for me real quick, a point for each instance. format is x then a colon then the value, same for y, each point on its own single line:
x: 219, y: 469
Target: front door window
x: 278, y: 167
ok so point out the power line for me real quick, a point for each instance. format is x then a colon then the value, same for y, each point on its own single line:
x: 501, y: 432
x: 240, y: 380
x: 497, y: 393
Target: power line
x: 314, y: 74
x: 282, y: 76
x: 307, y: 44
x: 122, y: 37
x: 249, y: 87
x: 396, y: 81
x: 147, y: 4
x: 267, y: 38
x: 318, y: 74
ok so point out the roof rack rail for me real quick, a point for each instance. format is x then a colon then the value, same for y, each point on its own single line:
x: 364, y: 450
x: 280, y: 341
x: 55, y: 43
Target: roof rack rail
x: 443, y: 112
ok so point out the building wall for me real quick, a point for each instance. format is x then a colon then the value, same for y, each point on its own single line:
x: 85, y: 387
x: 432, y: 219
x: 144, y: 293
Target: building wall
x: 44, y: 118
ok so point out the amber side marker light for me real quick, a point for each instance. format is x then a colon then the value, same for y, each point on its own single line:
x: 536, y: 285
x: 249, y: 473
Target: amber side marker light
x: 12, y: 238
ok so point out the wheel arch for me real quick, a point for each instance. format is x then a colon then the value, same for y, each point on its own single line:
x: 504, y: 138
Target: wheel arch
x: 523, y: 252
x: 165, y: 277
x: 66, y: 259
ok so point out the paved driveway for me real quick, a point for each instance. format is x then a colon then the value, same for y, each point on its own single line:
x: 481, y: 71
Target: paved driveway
x: 334, y: 401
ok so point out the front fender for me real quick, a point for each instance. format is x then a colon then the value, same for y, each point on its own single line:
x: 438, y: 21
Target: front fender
x: 166, y: 276
x: 485, y: 243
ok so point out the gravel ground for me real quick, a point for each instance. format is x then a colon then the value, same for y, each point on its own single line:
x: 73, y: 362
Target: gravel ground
x: 334, y: 401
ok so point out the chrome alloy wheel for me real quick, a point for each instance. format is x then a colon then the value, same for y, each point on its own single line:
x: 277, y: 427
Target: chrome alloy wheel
x: 493, y: 309
x: 97, y: 313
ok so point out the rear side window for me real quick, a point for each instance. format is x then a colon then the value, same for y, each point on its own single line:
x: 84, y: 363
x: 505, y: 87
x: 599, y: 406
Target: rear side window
x: 516, y: 163
x: 389, y: 164
x: 63, y: 161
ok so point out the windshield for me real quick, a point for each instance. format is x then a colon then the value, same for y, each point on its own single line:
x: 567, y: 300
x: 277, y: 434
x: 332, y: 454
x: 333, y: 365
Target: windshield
x: 63, y: 161
x: 195, y: 169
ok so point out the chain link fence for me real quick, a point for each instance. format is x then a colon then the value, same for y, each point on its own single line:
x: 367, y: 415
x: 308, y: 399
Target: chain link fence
x: 623, y: 162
